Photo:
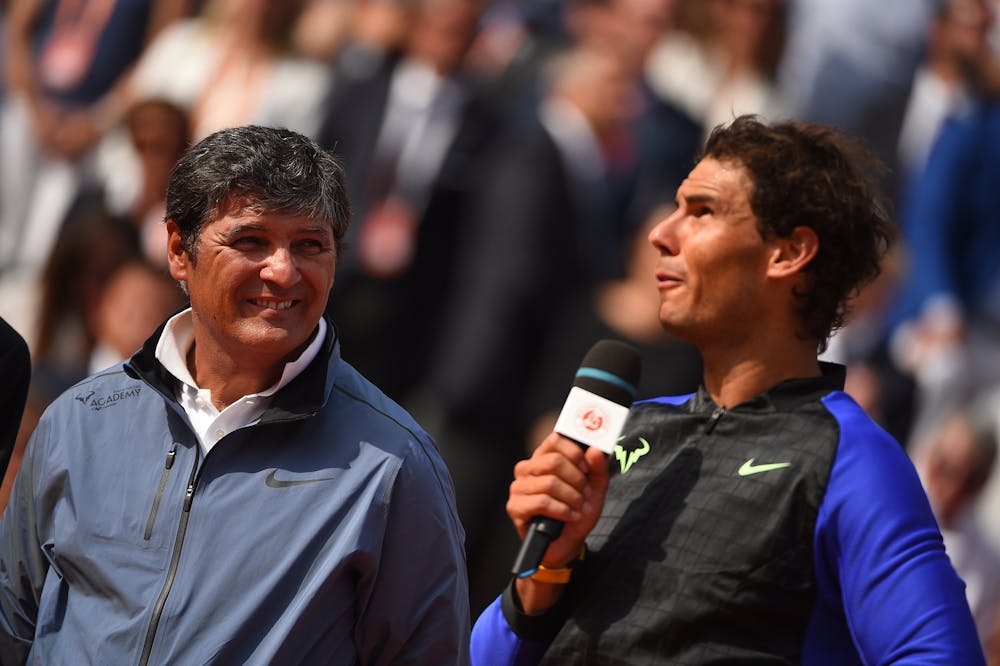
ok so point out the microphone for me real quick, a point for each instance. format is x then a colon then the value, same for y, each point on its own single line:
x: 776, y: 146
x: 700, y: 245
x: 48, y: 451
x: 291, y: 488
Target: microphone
x: 593, y: 415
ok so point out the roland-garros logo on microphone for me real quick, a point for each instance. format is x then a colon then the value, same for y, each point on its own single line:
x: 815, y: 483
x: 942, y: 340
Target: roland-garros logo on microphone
x: 593, y: 419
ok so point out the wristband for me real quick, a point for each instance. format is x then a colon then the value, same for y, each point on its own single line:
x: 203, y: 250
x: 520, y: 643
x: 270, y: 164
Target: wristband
x: 559, y: 575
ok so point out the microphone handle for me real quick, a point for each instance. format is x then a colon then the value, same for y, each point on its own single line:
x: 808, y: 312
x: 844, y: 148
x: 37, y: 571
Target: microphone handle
x: 541, y: 532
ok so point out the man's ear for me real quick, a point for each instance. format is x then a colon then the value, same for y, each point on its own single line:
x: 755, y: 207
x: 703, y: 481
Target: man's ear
x: 177, y: 257
x: 793, y: 253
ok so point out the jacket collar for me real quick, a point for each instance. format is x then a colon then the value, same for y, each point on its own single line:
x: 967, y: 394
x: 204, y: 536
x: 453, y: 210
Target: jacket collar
x: 301, y: 397
x: 783, y: 396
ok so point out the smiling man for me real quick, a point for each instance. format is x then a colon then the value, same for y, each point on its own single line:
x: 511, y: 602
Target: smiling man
x: 769, y: 521
x: 235, y: 493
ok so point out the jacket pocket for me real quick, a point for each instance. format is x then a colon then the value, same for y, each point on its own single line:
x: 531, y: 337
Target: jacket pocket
x: 159, y: 493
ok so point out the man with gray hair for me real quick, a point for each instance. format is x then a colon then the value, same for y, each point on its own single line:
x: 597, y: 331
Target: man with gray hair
x: 235, y: 492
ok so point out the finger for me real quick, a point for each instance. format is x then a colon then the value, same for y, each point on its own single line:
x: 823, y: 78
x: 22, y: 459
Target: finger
x: 561, y: 444
x: 551, y: 486
x: 553, y: 463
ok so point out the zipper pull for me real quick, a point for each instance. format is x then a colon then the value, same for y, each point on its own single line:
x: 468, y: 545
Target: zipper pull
x: 713, y: 420
x: 188, y: 496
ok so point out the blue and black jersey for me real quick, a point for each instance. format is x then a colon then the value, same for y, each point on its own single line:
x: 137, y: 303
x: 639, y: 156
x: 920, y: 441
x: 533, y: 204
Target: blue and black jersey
x: 787, y: 529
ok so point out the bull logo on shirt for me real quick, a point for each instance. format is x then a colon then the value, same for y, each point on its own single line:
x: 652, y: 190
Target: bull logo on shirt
x: 628, y: 457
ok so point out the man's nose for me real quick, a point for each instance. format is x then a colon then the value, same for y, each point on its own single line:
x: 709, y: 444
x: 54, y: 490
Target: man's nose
x: 280, y: 267
x: 663, y: 236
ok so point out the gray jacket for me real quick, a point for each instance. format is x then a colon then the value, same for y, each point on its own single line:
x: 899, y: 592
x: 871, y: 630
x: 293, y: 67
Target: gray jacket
x: 324, y: 534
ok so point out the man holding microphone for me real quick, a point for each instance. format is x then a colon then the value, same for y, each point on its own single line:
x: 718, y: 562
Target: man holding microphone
x: 764, y: 518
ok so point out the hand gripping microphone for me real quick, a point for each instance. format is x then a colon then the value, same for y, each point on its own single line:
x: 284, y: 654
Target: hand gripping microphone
x: 593, y: 415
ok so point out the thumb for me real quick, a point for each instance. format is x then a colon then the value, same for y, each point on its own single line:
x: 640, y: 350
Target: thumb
x: 597, y: 464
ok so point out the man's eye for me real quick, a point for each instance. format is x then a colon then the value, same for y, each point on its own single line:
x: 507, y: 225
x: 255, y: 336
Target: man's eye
x: 248, y: 243
x: 311, y: 246
x: 700, y: 211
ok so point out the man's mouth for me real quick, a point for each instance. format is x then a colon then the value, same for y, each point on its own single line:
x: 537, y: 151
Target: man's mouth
x: 663, y: 278
x: 272, y: 305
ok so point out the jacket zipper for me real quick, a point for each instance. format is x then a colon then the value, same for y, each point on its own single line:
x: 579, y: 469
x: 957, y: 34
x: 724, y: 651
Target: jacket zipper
x: 147, y: 646
x: 713, y: 420
x: 159, y: 493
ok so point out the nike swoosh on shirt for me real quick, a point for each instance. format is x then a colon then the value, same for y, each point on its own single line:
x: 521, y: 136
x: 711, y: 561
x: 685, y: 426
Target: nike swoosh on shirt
x: 273, y: 482
x: 749, y: 468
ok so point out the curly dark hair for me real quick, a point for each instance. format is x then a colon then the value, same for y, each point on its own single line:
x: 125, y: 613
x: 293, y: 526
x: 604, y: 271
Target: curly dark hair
x: 810, y: 175
x: 261, y: 168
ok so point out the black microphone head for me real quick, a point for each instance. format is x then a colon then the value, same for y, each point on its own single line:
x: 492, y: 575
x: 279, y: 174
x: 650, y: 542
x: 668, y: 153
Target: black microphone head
x: 611, y: 370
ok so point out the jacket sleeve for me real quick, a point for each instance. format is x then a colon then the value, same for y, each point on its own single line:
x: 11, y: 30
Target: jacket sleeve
x: 15, y: 364
x: 417, y: 610
x: 880, y: 551
x: 23, y: 565
x: 505, y: 636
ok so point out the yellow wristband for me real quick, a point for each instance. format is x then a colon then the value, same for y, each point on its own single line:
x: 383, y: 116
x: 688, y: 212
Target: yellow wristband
x: 561, y: 575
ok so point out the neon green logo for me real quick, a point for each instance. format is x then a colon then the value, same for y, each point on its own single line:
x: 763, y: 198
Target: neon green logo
x: 627, y: 458
x: 749, y: 468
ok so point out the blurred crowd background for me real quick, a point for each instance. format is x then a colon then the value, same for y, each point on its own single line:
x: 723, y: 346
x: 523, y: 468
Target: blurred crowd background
x: 506, y: 160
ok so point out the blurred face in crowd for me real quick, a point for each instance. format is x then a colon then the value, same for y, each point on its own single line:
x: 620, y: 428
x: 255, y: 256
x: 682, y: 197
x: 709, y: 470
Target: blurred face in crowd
x: 136, y: 301
x: 442, y: 32
x: 743, y: 25
x: 630, y: 27
x: 953, y: 475
x: 964, y: 31
x: 159, y: 137
x: 258, y: 283
x: 637, y: 26
x: 713, y: 261
x: 602, y: 87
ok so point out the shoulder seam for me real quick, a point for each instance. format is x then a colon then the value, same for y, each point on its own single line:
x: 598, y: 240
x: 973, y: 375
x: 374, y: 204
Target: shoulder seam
x: 420, y: 440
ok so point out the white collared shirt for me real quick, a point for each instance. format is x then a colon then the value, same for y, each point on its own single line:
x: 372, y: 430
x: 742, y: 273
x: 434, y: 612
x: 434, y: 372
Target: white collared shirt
x: 209, y: 424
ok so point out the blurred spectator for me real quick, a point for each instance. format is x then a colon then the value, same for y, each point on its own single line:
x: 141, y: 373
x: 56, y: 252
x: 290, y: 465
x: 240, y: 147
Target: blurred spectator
x: 62, y: 309
x: 91, y: 247
x: 321, y: 28
x: 375, y: 32
x: 731, y: 48
x: 234, y: 65
x: 950, y: 77
x: 955, y: 463
x: 949, y: 307
x: 648, y: 157
x: 629, y: 27
x: 137, y: 298
x: 410, y: 134
x: 542, y: 227
x: 850, y: 63
x: 505, y: 60
x: 66, y: 64
x: 15, y: 365
x: 902, y: 384
x: 158, y: 134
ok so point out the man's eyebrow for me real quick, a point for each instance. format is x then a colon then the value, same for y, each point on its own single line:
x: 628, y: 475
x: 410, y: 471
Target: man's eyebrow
x: 243, y: 227
x: 696, y: 199
x: 321, y: 229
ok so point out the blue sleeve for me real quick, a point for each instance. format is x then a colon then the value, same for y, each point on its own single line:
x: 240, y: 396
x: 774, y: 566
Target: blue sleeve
x: 494, y: 643
x: 23, y: 565
x: 885, y: 582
